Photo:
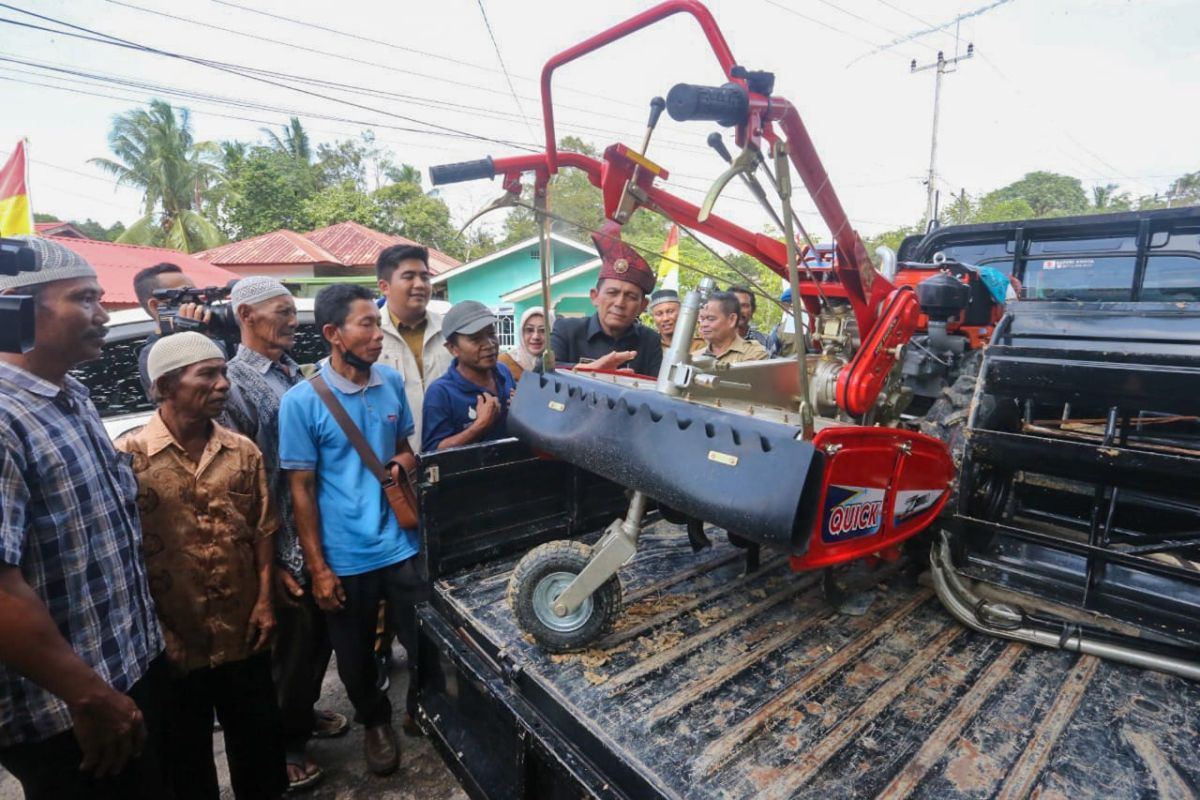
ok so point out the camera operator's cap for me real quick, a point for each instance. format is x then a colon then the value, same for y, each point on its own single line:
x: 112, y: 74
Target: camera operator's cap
x: 786, y: 297
x: 180, y: 350
x: 467, y: 317
x: 54, y: 262
x: 254, y: 290
x: 664, y: 296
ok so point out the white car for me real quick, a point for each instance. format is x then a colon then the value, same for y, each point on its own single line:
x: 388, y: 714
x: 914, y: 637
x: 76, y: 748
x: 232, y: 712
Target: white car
x: 113, y: 378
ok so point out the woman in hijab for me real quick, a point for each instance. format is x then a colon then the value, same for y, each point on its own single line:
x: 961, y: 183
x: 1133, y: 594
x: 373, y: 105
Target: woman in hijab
x: 531, y: 343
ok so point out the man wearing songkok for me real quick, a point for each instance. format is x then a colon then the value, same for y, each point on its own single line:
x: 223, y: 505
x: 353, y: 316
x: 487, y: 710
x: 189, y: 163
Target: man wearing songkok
x: 208, y: 523
x: 612, y: 338
x: 259, y: 375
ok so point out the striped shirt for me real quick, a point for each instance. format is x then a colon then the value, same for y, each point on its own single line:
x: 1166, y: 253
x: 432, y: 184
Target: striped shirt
x: 69, y: 522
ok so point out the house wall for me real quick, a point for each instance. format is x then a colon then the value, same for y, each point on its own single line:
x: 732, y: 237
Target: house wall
x: 490, y: 282
x: 279, y: 271
x: 577, y: 304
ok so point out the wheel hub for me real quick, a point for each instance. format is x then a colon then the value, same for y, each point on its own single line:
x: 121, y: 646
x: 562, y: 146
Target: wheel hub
x: 546, y: 593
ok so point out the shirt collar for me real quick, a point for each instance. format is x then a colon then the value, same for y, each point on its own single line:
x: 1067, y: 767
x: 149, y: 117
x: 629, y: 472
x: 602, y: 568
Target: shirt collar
x: 26, y: 380
x: 346, y: 386
x: 739, y: 345
x: 467, y: 385
x: 158, y: 436
x: 594, y: 329
x: 262, y: 365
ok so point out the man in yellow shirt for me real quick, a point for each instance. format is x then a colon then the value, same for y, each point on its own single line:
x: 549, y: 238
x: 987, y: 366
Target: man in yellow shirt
x: 719, y: 319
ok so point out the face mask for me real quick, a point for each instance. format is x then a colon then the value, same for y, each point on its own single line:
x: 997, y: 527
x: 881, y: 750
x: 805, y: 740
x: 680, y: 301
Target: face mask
x: 355, y: 361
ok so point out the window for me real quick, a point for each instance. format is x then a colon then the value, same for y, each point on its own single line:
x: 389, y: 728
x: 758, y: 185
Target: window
x: 1172, y: 278
x: 506, y: 330
x: 1079, y: 278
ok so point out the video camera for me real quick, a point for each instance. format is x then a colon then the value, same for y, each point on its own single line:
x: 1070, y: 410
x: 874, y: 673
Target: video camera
x: 215, y: 299
x: 16, y: 310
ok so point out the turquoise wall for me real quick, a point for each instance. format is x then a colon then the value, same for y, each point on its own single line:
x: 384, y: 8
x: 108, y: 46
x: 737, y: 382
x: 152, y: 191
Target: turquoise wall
x: 580, y: 284
x: 488, y: 283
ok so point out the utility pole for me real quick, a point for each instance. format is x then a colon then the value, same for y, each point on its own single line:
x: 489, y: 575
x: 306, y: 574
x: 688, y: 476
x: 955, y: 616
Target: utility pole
x: 940, y: 65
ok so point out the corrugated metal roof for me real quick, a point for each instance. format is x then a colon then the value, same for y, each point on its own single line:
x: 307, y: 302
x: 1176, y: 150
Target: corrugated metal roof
x: 277, y: 247
x: 116, y: 264
x: 359, y: 246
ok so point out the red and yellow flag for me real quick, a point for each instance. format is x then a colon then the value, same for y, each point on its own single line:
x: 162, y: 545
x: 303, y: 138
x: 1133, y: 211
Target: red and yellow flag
x: 16, y: 216
x: 668, y: 267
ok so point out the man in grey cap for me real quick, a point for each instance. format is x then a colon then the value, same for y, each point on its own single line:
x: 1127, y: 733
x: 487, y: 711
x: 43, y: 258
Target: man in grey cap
x: 469, y: 403
x: 82, y: 678
x: 664, y: 308
x: 260, y: 374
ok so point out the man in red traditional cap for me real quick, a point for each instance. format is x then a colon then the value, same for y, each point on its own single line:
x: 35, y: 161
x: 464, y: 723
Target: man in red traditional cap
x: 613, y: 338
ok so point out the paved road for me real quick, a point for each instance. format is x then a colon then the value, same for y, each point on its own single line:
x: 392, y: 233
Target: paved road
x: 422, y: 776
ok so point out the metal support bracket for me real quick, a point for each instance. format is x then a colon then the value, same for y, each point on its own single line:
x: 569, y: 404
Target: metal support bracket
x: 615, y: 548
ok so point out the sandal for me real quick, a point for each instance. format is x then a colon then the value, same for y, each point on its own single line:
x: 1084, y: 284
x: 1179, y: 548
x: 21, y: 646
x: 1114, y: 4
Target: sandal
x: 311, y: 772
x: 329, y: 724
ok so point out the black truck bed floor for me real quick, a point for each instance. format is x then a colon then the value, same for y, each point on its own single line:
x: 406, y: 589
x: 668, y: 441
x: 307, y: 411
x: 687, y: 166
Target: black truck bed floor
x: 720, y: 685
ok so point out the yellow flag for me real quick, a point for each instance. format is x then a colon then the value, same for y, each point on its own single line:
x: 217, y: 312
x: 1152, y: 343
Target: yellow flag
x: 16, y: 217
x: 668, y: 266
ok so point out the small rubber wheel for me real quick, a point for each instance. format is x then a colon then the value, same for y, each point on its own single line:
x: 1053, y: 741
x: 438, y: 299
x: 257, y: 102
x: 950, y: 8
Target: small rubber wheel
x: 540, y: 577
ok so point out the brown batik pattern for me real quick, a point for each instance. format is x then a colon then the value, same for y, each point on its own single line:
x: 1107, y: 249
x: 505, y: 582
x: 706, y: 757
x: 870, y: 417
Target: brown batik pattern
x: 199, y: 524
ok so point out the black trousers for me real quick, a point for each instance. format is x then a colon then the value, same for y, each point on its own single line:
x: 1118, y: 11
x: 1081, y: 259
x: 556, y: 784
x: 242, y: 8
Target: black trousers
x: 352, y: 631
x: 49, y: 769
x: 298, y: 663
x: 243, y: 697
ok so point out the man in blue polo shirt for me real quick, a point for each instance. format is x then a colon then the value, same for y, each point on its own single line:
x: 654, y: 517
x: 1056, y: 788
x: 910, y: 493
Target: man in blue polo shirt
x: 469, y: 402
x: 356, y: 552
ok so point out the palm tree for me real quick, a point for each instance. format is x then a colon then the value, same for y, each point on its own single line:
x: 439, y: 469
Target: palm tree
x: 1106, y: 198
x: 294, y: 141
x: 158, y: 154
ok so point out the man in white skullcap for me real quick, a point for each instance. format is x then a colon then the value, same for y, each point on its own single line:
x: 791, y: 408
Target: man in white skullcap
x: 259, y: 375
x: 82, y: 677
x: 208, y: 523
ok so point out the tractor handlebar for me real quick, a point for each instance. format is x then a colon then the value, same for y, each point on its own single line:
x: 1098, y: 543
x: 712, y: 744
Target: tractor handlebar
x: 725, y: 105
x: 462, y: 171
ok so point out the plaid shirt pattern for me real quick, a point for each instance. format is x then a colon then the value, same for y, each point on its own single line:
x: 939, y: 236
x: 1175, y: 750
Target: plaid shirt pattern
x: 69, y: 522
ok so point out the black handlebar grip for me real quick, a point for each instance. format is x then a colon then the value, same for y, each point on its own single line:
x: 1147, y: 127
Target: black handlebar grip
x: 725, y: 105
x: 462, y: 171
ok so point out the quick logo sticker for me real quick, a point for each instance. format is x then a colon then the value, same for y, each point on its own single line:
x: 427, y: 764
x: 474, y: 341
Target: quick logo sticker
x: 851, y: 512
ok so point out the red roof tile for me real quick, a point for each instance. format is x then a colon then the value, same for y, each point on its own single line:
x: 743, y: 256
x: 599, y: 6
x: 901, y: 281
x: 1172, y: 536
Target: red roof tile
x: 358, y: 245
x: 278, y: 247
x: 116, y: 264
x: 58, y: 229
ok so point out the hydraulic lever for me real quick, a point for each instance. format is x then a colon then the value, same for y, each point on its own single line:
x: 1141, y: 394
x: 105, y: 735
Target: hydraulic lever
x: 625, y: 208
x: 745, y: 164
x: 717, y: 143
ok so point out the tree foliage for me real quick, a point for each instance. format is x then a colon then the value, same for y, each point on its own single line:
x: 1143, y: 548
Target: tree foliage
x: 157, y: 154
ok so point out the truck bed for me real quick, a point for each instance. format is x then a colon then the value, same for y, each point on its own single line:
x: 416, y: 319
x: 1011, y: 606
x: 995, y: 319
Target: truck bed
x: 719, y: 684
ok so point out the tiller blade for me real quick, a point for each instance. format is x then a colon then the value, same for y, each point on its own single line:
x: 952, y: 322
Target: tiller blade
x: 1078, y: 489
x: 746, y: 475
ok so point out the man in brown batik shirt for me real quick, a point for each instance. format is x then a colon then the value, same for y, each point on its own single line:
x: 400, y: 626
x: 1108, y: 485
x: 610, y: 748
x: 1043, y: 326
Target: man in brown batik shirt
x: 208, y: 520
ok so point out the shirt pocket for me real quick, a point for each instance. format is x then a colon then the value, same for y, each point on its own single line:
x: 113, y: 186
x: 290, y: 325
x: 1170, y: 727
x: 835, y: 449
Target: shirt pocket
x: 240, y: 509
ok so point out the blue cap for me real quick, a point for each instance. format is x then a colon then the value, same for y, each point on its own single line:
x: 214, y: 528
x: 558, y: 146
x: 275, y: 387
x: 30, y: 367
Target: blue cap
x: 786, y: 297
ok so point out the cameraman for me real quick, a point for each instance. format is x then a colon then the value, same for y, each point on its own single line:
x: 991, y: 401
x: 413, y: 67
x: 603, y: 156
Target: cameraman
x: 82, y: 676
x: 145, y: 283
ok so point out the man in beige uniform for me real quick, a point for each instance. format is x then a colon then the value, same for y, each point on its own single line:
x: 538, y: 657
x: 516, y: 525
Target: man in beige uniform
x: 413, y: 344
x: 719, y: 318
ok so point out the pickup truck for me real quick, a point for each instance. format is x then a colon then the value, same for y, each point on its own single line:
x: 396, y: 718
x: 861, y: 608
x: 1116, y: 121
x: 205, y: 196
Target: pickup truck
x: 721, y: 682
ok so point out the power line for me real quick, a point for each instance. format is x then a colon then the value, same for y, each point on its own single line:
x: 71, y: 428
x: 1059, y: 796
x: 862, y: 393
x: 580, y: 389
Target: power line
x: 887, y: 48
x: 869, y: 21
x: 822, y: 23
x: 230, y: 69
x: 503, y: 67
x: 394, y: 46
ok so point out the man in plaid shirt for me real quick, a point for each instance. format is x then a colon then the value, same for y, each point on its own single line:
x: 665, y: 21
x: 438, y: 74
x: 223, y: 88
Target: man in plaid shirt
x: 81, y: 668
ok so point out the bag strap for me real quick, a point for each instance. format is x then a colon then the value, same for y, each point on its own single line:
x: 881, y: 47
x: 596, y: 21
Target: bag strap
x: 351, y: 430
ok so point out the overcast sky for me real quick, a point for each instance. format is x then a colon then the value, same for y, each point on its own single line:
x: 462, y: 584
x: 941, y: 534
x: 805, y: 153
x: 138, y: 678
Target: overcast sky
x: 1101, y: 89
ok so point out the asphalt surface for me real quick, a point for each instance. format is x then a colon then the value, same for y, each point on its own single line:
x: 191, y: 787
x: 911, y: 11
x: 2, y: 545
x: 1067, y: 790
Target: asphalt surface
x: 421, y: 776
